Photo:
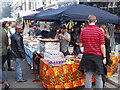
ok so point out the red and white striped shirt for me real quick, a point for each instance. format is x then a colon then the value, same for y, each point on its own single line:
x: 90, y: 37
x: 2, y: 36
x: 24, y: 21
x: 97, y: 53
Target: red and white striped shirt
x: 92, y: 37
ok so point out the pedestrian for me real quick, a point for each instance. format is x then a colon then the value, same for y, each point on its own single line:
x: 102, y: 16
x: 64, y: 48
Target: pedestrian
x: 11, y: 31
x: 3, y: 78
x: 108, y: 50
x: 107, y: 44
x: 65, y: 39
x: 36, y: 31
x: 92, y: 39
x: 31, y: 30
x: 53, y: 31
x: 5, y: 26
x: 75, y: 35
x: 17, y: 47
x: 11, y: 28
x: 3, y: 56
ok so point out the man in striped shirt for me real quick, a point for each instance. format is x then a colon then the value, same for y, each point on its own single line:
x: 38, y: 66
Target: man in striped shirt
x: 92, y: 39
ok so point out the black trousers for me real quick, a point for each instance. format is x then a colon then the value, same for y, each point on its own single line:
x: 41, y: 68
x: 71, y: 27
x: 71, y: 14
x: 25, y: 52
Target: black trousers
x: 2, y: 74
x: 6, y: 58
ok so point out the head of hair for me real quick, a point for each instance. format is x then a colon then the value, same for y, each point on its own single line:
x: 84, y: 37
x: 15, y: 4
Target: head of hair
x: 54, y: 25
x: 63, y: 27
x: 92, y: 18
x: 105, y: 31
x: 10, y: 23
x: 4, y: 23
x: 75, y: 26
x: 18, y: 27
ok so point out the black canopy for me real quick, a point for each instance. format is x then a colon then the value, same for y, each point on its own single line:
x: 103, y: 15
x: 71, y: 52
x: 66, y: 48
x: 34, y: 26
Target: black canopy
x: 33, y: 16
x: 78, y: 12
x: 30, y: 17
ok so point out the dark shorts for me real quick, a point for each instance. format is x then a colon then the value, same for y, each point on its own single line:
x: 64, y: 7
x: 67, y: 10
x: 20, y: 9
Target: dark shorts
x: 91, y: 63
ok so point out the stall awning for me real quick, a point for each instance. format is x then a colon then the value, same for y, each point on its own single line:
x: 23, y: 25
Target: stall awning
x: 78, y: 12
x: 33, y: 16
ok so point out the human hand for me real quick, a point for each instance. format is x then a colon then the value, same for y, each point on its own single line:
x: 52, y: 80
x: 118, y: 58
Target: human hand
x: 104, y: 61
x: 24, y: 60
x: 9, y: 47
x: 77, y: 43
x: 60, y: 35
x: 34, y: 36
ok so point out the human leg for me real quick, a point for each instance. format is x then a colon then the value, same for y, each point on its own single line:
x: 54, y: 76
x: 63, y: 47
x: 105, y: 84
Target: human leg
x: 99, y: 81
x: 19, y: 69
x: 88, y: 83
x: 3, y: 77
x: 4, y: 58
x: 9, y: 62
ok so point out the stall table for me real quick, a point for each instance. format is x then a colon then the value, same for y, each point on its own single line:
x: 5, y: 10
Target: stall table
x: 67, y: 76
x: 29, y: 55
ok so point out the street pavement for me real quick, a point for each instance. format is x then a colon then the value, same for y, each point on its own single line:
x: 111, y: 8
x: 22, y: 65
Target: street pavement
x: 115, y: 78
x: 27, y: 74
x: 112, y: 82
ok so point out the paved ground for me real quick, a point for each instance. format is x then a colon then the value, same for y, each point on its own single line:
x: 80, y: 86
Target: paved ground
x: 115, y: 78
x: 36, y: 85
x: 27, y: 75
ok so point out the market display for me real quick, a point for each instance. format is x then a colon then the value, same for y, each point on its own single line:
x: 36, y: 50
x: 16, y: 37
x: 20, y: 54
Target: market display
x: 67, y: 76
x: 50, y: 49
x: 57, y: 71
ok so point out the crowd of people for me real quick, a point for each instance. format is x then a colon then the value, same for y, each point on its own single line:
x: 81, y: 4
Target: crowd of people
x: 95, y: 40
x: 11, y: 48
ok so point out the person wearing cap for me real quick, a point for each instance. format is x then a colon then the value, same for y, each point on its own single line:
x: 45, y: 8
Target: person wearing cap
x: 65, y: 39
x: 36, y: 31
x: 75, y: 35
x: 53, y: 31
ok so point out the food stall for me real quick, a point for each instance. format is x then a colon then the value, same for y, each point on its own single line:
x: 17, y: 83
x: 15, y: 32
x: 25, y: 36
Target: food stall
x: 55, y: 70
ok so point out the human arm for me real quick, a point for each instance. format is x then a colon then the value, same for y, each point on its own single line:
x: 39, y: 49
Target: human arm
x: 103, y: 50
x: 102, y: 46
x: 66, y: 38
x: 20, y: 47
x: 81, y: 39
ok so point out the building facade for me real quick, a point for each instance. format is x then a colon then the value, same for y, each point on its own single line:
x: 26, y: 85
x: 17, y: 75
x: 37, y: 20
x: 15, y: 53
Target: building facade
x: 4, y: 4
x: 20, y: 8
x: 112, y: 6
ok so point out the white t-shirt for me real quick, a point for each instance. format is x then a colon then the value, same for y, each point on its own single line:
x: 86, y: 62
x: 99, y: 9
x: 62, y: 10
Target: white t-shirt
x: 11, y: 31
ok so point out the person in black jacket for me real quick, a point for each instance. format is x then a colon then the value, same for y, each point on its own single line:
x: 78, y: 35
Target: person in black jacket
x: 108, y: 50
x: 18, y: 51
x: 107, y: 44
x: 53, y: 32
x: 75, y: 35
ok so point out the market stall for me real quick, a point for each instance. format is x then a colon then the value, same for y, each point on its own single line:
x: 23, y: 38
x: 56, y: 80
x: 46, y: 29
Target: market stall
x: 57, y: 71
x: 67, y: 76
x: 30, y: 46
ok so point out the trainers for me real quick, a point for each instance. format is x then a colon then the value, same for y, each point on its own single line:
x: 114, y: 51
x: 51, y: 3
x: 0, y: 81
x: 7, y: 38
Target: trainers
x: 22, y: 80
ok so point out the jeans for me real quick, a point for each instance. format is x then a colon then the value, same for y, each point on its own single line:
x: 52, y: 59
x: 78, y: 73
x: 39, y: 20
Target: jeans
x: 98, y: 83
x: 19, y: 69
